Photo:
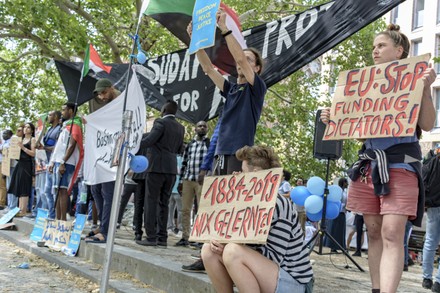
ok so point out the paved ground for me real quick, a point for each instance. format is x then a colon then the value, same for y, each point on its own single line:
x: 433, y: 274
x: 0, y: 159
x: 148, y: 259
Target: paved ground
x: 41, y: 275
x: 333, y: 273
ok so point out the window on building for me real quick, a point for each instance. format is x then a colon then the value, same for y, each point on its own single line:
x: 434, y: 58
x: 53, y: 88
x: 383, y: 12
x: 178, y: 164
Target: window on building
x: 437, y: 107
x: 437, y: 52
x: 438, y: 11
x: 419, y: 9
x: 416, y: 47
x: 395, y: 14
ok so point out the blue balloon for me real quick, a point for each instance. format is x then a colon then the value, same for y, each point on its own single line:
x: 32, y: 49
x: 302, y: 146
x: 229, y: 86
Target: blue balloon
x: 335, y: 193
x: 138, y: 164
x: 299, y: 195
x: 314, y: 217
x: 332, y: 210
x: 316, y: 185
x: 313, y: 204
x: 141, y: 57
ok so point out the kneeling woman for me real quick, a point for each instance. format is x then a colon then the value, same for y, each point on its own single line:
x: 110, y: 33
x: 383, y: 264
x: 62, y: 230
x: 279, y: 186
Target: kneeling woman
x: 281, y: 265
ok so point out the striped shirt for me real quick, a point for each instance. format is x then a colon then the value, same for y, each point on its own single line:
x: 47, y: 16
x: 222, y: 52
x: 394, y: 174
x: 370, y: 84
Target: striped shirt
x: 285, y: 242
x: 195, y: 151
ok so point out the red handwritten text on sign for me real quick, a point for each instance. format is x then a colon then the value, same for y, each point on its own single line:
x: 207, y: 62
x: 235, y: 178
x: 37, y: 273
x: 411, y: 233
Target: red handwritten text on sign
x: 237, y: 208
x: 378, y: 101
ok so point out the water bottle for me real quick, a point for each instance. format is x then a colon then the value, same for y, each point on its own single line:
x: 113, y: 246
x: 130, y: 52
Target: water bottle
x: 419, y: 257
x: 83, y: 193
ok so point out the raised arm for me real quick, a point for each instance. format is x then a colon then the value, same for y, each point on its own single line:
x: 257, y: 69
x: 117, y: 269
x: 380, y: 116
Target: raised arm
x: 235, y: 48
x: 427, y: 109
x: 206, y: 64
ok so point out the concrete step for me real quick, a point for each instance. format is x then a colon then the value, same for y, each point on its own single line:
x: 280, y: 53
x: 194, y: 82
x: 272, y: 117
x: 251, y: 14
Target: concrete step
x: 159, y: 268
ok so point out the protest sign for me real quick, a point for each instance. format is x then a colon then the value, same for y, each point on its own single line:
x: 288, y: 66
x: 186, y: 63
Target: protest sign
x: 6, y: 163
x: 9, y: 215
x: 61, y: 235
x: 49, y: 232
x: 204, y: 25
x: 237, y: 208
x: 14, y: 149
x: 40, y: 224
x: 378, y: 101
x: 75, y: 237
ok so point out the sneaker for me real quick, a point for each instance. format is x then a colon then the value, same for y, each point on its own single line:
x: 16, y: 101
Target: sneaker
x: 178, y: 234
x: 357, y: 253
x: 196, y: 267
x: 182, y: 242
x: 405, y: 268
x: 435, y: 287
x: 195, y: 245
x: 427, y: 283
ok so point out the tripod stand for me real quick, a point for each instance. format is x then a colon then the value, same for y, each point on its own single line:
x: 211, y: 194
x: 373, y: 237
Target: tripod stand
x: 323, y: 227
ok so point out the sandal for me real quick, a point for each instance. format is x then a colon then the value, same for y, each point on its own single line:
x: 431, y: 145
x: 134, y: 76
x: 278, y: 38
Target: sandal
x: 93, y: 233
x: 98, y: 238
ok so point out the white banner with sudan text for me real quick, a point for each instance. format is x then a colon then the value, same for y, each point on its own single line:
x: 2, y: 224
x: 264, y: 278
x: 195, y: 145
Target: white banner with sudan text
x: 103, y: 128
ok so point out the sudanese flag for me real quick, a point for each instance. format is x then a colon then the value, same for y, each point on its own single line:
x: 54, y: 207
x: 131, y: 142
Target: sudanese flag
x: 175, y: 15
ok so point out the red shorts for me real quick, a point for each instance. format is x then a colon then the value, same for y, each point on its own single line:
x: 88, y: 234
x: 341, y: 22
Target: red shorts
x: 402, y: 199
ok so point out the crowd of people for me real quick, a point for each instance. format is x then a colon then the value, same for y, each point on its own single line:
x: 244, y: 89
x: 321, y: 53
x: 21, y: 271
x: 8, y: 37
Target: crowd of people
x: 168, y: 193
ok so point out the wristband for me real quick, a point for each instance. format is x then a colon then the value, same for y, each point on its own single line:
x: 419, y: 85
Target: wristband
x: 227, y: 33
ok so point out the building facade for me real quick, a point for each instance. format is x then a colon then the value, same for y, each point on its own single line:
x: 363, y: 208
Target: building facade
x: 420, y: 21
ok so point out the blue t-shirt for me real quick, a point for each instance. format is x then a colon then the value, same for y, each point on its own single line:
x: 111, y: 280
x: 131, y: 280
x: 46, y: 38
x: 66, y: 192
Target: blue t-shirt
x: 241, y: 113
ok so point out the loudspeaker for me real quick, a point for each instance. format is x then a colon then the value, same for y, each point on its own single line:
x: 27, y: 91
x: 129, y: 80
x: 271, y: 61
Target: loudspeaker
x: 329, y: 149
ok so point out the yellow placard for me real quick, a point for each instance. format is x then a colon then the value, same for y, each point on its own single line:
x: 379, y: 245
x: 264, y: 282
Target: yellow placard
x: 6, y: 162
x: 14, y: 149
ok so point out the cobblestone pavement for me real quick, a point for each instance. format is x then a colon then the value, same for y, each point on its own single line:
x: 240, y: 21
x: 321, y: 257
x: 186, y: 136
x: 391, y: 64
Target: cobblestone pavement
x: 41, y: 276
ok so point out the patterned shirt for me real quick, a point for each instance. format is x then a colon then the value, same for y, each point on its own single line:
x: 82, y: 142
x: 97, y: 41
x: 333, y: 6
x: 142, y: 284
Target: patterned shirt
x: 285, y: 243
x: 195, y: 151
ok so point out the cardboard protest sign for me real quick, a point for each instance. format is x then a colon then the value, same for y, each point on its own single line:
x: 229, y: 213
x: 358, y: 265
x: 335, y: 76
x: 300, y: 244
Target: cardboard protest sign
x: 49, y: 232
x: 14, y: 149
x: 378, y: 101
x: 204, y: 25
x: 62, y: 235
x: 237, y: 208
x: 40, y: 224
x: 6, y: 163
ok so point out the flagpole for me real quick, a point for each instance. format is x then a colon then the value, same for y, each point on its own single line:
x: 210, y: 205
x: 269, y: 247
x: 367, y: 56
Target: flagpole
x: 68, y: 138
x: 126, y: 130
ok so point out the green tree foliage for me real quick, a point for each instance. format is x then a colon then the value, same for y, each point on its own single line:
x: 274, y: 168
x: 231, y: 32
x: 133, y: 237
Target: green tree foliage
x: 34, y: 32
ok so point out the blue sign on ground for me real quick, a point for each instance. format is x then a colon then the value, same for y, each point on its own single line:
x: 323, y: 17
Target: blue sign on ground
x: 204, y: 25
x: 9, y: 215
x: 75, y: 237
x: 40, y: 224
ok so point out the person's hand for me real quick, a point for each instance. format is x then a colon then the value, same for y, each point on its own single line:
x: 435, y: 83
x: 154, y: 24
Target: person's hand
x: 179, y: 188
x: 50, y: 168
x: 201, y: 177
x: 325, y: 115
x: 429, y: 77
x: 189, y: 29
x: 236, y: 173
x: 221, y: 20
x: 216, y: 247
x: 62, y: 169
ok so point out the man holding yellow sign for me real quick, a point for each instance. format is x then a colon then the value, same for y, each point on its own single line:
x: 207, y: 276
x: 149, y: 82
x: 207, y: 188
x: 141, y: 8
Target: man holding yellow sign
x: 387, y: 187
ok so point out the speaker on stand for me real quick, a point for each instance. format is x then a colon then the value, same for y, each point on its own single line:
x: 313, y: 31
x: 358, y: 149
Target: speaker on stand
x: 326, y: 150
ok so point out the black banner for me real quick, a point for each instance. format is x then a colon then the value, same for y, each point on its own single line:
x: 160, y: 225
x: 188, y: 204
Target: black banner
x: 286, y: 45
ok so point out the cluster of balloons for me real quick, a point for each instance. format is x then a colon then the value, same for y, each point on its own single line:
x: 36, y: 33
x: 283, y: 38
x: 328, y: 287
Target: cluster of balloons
x: 138, y: 163
x: 312, y: 198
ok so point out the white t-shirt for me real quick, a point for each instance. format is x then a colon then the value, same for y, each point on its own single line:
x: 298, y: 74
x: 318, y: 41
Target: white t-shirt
x: 61, y: 147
